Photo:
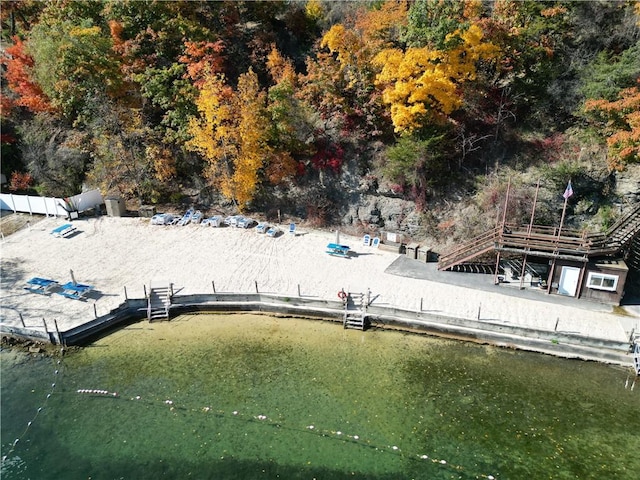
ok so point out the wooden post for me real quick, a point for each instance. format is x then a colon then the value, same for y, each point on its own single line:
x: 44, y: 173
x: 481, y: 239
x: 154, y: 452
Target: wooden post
x: 145, y: 291
x: 213, y: 285
x: 45, y: 326
x: 21, y: 320
x: 522, y: 272
x: 495, y: 276
x: 256, y: 282
x: 55, y: 323
x: 479, y: 307
x: 95, y: 310
x: 299, y: 290
x: 551, y: 274
x: 555, y: 329
x: 125, y: 293
x: 420, y: 303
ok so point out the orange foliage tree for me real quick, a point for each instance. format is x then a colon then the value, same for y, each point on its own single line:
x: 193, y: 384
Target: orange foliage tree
x: 621, y: 122
x: 18, y: 64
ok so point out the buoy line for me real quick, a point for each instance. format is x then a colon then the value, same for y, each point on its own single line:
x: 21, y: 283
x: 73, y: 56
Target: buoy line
x: 56, y: 376
x: 265, y: 419
x: 235, y: 414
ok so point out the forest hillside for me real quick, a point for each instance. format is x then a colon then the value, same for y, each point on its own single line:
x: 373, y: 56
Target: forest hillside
x: 408, y: 116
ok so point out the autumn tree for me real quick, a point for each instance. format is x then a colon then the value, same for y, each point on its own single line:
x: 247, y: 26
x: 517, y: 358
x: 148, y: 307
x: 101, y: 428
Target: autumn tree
x: 128, y: 158
x: 73, y: 62
x: 290, y: 130
x: 620, y: 120
x: 422, y: 85
x: 19, y: 71
x: 230, y: 132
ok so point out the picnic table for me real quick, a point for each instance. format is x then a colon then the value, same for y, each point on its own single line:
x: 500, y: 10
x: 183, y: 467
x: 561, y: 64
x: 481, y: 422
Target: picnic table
x: 63, y: 230
x: 338, y: 250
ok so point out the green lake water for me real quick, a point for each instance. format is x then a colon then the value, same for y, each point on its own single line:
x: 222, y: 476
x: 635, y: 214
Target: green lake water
x: 247, y: 396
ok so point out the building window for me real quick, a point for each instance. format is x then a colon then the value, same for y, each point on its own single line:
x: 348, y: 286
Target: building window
x: 602, y: 281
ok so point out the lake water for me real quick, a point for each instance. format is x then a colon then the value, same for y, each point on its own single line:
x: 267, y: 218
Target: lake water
x: 247, y: 396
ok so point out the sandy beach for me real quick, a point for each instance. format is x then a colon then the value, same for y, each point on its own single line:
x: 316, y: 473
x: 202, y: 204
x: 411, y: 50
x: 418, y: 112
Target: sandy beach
x: 114, y: 254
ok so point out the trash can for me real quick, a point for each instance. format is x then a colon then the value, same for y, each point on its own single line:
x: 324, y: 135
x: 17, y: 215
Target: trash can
x: 412, y: 250
x: 147, y: 211
x: 115, y: 206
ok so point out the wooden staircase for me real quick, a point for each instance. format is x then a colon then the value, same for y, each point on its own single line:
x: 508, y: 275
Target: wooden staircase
x: 158, y: 302
x: 355, y: 311
x: 480, y: 245
x: 547, y: 242
x: 619, y: 236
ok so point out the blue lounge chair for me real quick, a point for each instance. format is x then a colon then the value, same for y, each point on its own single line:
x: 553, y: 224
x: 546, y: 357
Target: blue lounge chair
x: 40, y: 285
x: 75, y: 291
x: 366, y: 240
x: 292, y: 228
x: 338, y: 250
x: 375, y: 242
x: 273, y: 232
x: 63, y: 231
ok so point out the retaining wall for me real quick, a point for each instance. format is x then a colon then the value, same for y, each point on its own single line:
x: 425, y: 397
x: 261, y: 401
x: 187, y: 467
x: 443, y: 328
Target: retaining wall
x: 563, y: 344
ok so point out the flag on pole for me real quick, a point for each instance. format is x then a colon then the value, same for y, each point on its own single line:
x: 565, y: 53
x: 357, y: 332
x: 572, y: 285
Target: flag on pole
x: 568, y: 191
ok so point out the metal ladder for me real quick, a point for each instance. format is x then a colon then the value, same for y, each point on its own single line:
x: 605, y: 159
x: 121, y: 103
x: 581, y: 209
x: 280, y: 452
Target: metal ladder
x: 355, y: 311
x: 158, y: 302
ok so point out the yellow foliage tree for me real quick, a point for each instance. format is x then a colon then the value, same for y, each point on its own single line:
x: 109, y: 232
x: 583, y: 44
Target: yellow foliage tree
x: 230, y: 133
x: 252, y: 137
x: 422, y: 84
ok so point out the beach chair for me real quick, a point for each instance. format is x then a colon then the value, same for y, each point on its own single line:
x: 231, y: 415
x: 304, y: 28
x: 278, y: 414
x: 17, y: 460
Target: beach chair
x: 63, y: 231
x: 292, y: 228
x: 262, y: 227
x: 186, y: 218
x: 196, y: 217
x: 273, y: 232
x: 366, y: 240
x: 375, y: 242
x: 212, y: 221
x: 40, y: 285
x: 232, y: 220
x: 162, y: 219
x: 75, y: 291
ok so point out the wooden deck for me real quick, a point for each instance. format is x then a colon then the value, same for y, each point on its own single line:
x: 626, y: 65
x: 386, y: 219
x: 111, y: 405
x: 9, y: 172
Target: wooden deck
x: 548, y: 242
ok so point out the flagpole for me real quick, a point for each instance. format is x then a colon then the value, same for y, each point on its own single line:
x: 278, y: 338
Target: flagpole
x: 533, y: 210
x: 564, y: 210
